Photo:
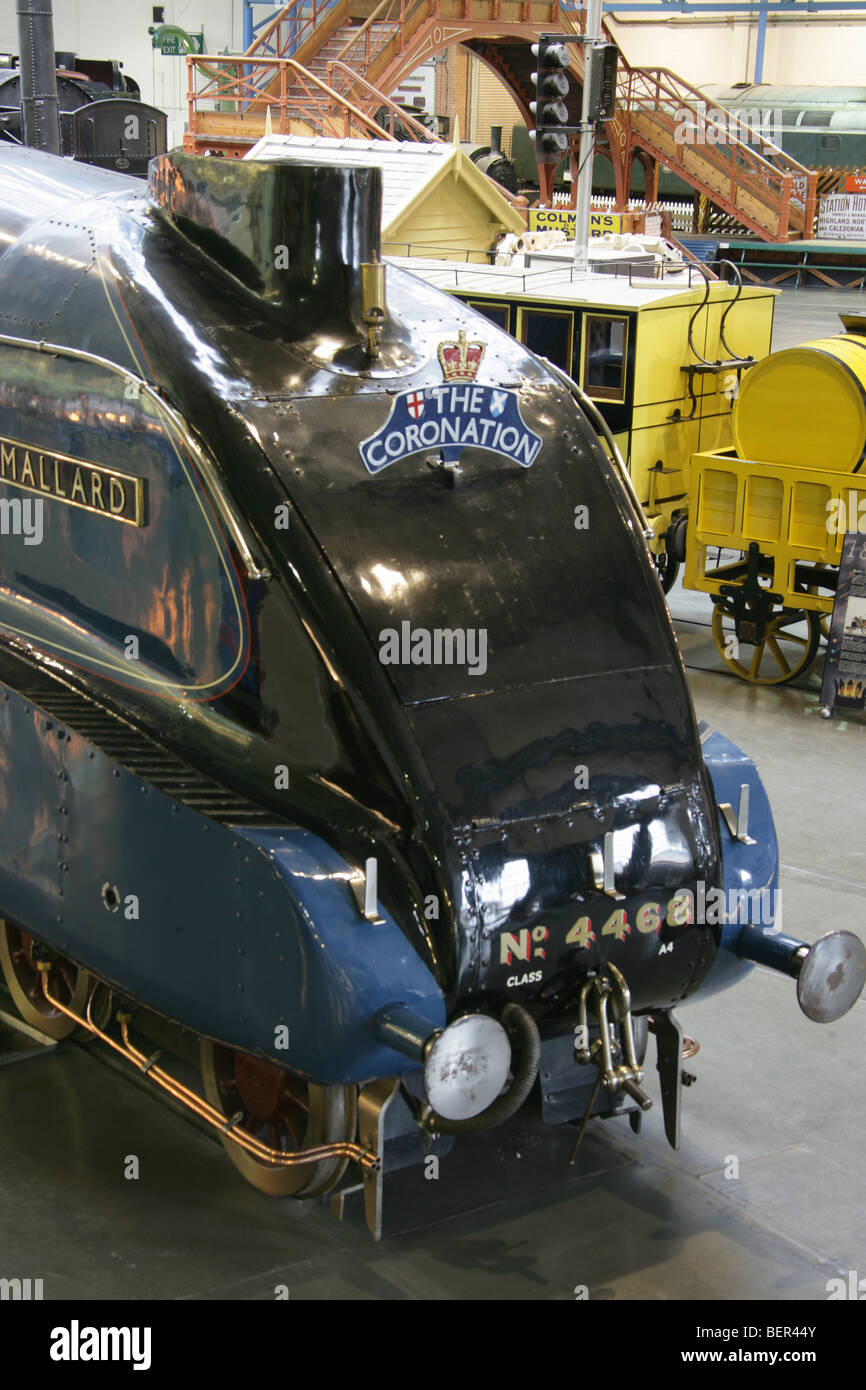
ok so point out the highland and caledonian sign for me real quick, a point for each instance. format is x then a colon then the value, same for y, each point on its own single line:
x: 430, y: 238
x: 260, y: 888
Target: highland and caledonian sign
x: 842, y: 217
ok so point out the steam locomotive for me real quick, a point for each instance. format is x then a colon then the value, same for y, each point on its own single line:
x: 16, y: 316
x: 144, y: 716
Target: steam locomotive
x: 103, y: 120
x: 342, y: 723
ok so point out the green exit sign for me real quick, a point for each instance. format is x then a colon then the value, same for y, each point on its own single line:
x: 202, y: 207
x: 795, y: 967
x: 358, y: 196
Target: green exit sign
x: 175, y: 45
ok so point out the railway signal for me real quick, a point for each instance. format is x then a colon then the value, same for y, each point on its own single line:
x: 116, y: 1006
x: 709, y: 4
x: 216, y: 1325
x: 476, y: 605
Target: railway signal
x: 602, y: 83
x: 552, y: 130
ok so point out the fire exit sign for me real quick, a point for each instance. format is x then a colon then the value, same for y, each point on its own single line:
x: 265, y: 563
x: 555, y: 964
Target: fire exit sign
x: 171, y: 45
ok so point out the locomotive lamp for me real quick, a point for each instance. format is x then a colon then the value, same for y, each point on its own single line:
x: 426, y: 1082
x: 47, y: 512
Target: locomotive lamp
x: 466, y: 1064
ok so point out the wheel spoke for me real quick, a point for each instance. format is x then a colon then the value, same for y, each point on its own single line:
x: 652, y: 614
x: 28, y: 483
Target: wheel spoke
x: 294, y: 1095
x: 251, y: 1124
x: 790, y: 652
x: 292, y: 1115
x: 781, y: 662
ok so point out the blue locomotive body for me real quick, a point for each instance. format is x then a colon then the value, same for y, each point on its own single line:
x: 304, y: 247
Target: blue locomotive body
x: 342, y: 720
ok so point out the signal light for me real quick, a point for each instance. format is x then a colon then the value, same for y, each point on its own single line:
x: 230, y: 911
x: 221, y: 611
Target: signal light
x: 549, y: 108
x: 550, y: 145
x: 602, y: 91
x: 550, y: 53
x: 551, y: 113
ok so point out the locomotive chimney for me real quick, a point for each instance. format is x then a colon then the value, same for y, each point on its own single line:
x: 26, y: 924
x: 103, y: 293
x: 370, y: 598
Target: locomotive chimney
x: 301, y: 237
x: 496, y: 139
x: 40, y: 112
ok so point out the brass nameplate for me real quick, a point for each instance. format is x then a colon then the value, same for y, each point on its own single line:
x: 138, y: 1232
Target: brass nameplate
x: 81, y: 484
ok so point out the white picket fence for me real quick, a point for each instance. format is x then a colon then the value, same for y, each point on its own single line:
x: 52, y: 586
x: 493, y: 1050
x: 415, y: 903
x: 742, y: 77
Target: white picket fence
x: 680, y: 210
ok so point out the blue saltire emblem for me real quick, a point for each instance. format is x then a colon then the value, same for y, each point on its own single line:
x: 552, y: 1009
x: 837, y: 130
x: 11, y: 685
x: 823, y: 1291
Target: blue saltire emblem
x: 451, y: 418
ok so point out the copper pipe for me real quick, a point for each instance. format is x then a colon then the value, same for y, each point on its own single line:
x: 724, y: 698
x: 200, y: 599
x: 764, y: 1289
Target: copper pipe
x: 691, y: 1046
x: 199, y: 1106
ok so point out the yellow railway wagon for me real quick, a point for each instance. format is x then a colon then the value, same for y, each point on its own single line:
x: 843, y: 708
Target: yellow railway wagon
x: 661, y: 358
x: 765, y: 537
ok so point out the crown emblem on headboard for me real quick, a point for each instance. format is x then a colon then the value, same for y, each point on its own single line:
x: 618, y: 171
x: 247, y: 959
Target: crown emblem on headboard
x: 460, y: 360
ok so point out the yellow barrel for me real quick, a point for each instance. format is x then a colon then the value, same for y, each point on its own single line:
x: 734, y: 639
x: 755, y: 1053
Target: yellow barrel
x: 806, y: 406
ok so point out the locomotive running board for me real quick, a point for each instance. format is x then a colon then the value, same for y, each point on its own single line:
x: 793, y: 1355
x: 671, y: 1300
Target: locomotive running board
x: 369, y: 1161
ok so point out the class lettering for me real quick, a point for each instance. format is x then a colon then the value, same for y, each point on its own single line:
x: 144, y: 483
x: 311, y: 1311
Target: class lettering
x: 73, y: 481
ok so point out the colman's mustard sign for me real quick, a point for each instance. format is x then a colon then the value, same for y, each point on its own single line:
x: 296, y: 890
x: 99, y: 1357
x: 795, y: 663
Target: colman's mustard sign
x: 562, y: 220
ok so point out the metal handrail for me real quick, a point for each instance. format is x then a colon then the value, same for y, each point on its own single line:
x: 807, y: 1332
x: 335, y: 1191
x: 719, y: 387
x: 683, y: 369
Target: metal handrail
x: 773, y: 169
x: 652, y: 80
x: 762, y: 168
x: 386, y: 39
x: 206, y: 466
x: 242, y: 88
x: 677, y: 85
x: 739, y: 279
x: 406, y: 120
x: 362, y: 29
x: 742, y: 167
x: 303, y: 24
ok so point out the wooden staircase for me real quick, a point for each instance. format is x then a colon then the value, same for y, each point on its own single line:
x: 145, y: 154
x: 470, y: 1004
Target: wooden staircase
x: 323, y: 66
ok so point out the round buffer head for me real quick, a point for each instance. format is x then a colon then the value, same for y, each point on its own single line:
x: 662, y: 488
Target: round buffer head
x: 832, y: 976
x: 467, y: 1066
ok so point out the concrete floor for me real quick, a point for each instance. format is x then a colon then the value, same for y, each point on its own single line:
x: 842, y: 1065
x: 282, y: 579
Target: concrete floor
x: 802, y: 315
x: 507, y: 1218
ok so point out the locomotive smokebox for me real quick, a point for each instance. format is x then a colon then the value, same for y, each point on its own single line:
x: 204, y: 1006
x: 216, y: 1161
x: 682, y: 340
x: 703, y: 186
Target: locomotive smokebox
x: 293, y: 235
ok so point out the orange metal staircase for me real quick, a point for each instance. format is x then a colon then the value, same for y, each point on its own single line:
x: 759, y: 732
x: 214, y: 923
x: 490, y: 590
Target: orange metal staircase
x: 323, y: 66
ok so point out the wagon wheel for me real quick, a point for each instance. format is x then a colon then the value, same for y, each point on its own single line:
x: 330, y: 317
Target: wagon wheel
x: 668, y: 568
x: 281, y: 1110
x: 787, y: 647
x: 825, y: 618
x: 67, y: 982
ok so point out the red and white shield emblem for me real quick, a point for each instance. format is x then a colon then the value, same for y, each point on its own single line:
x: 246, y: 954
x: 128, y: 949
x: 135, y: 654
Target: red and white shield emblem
x: 415, y: 405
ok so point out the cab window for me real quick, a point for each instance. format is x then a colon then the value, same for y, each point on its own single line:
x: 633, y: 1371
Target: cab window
x: 496, y: 313
x: 550, y: 333
x: 604, y: 356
